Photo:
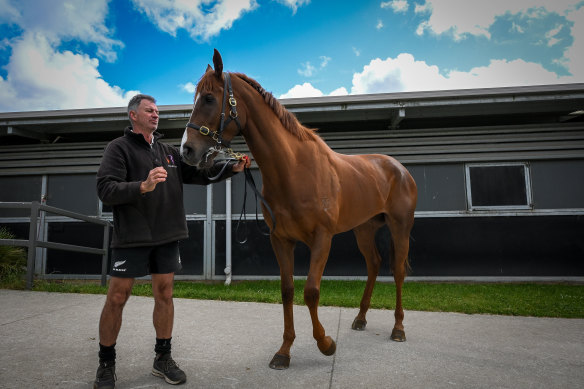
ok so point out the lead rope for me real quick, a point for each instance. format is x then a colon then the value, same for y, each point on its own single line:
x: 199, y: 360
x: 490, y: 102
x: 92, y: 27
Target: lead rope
x: 250, y: 181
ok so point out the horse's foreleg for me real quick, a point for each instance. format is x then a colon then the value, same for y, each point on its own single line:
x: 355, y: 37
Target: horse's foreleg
x: 319, y: 251
x: 365, y: 235
x: 284, y: 250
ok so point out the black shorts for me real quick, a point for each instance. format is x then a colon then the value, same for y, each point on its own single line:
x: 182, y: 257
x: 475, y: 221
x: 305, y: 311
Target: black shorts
x: 140, y: 261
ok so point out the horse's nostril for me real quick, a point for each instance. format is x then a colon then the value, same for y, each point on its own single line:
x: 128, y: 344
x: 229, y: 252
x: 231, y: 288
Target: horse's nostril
x: 187, y: 151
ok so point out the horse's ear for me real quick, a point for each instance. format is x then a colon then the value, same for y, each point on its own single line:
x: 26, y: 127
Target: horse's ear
x: 209, y: 68
x: 218, y: 63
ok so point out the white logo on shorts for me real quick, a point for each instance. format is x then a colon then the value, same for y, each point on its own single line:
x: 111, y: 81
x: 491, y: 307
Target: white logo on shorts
x: 117, y: 265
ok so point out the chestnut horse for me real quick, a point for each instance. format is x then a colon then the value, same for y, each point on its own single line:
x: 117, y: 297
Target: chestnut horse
x: 313, y: 192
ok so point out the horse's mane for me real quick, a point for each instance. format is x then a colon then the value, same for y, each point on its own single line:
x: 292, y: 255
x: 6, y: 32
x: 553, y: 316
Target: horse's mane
x: 287, y: 118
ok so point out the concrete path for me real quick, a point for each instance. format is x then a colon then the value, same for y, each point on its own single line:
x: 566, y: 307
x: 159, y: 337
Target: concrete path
x: 48, y: 340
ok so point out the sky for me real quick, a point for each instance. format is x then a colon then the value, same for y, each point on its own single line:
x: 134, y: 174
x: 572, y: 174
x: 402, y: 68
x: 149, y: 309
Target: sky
x: 77, y: 54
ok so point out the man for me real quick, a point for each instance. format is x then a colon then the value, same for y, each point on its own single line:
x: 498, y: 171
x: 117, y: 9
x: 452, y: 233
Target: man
x: 142, y: 178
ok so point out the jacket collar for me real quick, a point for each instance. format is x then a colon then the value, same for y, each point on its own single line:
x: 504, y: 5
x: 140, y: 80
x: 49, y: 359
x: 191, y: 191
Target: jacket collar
x: 139, y: 138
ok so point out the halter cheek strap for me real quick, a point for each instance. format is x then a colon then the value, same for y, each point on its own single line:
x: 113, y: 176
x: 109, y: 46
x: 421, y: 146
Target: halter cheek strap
x: 218, y: 135
x: 218, y: 138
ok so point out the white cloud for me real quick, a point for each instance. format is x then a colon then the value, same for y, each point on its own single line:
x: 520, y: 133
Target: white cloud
x: 307, y: 90
x: 41, y: 78
x: 339, y: 92
x: 501, y: 73
x: 474, y: 17
x: 306, y: 70
x: 58, y: 20
x: 398, y: 6
x: 379, y: 25
x: 304, y: 90
x: 517, y: 28
x: 404, y: 73
x: 8, y: 11
x: 395, y: 75
x: 294, y: 4
x: 356, y: 51
x: 574, y: 55
x: 201, y: 18
x: 461, y: 17
x: 551, y: 36
x: 188, y: 87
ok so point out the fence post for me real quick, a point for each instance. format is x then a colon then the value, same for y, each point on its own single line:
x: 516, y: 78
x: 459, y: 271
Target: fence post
x: 105, y: 257
x: 32, y: 243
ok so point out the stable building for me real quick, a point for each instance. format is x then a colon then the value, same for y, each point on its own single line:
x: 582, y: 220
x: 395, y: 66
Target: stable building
x: 500, y: 176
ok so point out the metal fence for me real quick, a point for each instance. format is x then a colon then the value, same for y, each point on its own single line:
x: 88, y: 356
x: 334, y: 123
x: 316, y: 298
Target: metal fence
x: 33, y: 241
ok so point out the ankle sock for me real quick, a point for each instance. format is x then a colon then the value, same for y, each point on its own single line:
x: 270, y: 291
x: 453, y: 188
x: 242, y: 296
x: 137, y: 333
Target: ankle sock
x: 162, y: 346
x: 107, y: 353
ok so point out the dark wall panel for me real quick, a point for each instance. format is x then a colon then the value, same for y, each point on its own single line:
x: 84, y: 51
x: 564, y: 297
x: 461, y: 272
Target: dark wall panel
x: 254, y: 257
x: 19, y: 189
x: 73, y: 192
x: 69, y: 262
x: 85, y: 234
x: 195, y: 199
x: 238, y: 188
x: 498, y: 246
x: 441, y: 187
x: 558, y: 184
x: 463, y: 246
x: 192, y: 249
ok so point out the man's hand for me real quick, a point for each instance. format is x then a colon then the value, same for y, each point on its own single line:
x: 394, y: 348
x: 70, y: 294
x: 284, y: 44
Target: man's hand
x: 155, y: 176
x: 241, y: 164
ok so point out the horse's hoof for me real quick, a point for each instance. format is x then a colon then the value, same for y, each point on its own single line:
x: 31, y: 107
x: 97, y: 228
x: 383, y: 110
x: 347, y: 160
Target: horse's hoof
x: 359, y: 324
x: 398, y: 335
x: 331, y: 349
x: 280, y: 362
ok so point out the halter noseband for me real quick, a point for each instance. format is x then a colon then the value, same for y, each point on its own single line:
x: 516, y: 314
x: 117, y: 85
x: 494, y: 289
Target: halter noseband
x: 218, y: 135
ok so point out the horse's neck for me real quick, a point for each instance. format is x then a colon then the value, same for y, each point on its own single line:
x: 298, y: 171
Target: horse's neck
x: 275, y: 149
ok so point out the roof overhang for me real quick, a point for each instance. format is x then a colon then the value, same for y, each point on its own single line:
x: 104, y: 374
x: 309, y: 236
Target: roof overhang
x: 386, y: 110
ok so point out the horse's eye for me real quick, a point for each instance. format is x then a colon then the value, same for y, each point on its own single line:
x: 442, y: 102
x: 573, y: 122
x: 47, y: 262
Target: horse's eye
x: 209, y: 98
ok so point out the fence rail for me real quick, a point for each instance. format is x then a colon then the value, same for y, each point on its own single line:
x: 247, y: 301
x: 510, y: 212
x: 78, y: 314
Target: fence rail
x: 33, y: 241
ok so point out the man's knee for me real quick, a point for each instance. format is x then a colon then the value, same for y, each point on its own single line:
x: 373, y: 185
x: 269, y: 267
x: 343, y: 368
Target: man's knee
x: 163, y: 293
x: 162, y: 287
x: 119, y: 292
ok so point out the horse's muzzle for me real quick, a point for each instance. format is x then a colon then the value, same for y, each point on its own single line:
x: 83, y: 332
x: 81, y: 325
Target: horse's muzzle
x: 201, y: 160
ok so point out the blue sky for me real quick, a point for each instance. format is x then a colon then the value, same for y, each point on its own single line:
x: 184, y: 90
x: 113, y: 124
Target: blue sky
x: 69, y: 54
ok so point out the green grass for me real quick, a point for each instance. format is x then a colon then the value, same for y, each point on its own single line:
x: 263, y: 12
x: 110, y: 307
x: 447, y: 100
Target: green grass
x: 12, y: 261
x: 517, y: 299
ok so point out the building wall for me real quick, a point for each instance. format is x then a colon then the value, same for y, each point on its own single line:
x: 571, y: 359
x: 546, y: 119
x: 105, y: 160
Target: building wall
x: 450, y: 238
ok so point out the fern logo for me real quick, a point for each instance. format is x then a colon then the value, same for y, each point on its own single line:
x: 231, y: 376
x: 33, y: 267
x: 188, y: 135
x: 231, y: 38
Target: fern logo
x: 119, y: 263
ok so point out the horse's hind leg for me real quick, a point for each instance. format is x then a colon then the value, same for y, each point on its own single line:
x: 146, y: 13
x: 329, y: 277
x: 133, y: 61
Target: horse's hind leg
x: 400, y: 239
x: 319, y: 251
x: 365, y: 235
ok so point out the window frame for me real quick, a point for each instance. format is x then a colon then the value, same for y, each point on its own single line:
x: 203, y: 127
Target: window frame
x: 527, y: 183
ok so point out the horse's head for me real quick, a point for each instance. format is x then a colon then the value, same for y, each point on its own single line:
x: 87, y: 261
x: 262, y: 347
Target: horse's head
x: 214, y: 120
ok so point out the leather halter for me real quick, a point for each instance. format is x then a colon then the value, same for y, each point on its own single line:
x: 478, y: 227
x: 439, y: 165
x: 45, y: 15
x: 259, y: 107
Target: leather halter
x: 218, y: 135
x: 218, y: 138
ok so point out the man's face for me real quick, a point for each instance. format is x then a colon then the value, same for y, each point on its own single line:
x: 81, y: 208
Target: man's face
x: 146, y: 116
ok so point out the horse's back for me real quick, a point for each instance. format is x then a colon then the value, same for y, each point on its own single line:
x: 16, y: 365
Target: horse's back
x: 373, y: 184
x: 379, y: 167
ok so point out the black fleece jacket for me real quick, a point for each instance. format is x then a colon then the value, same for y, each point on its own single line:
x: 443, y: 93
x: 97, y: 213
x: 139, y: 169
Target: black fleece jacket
x: 155, y: 217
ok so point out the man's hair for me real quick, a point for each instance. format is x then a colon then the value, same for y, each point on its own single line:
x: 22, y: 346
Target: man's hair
x: 135, y: 103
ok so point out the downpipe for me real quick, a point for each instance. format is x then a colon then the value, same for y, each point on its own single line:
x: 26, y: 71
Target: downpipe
x: 228, y: 232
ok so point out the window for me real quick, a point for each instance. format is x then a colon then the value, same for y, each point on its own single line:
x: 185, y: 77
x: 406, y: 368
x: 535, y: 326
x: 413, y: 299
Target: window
x: 498, y: 186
